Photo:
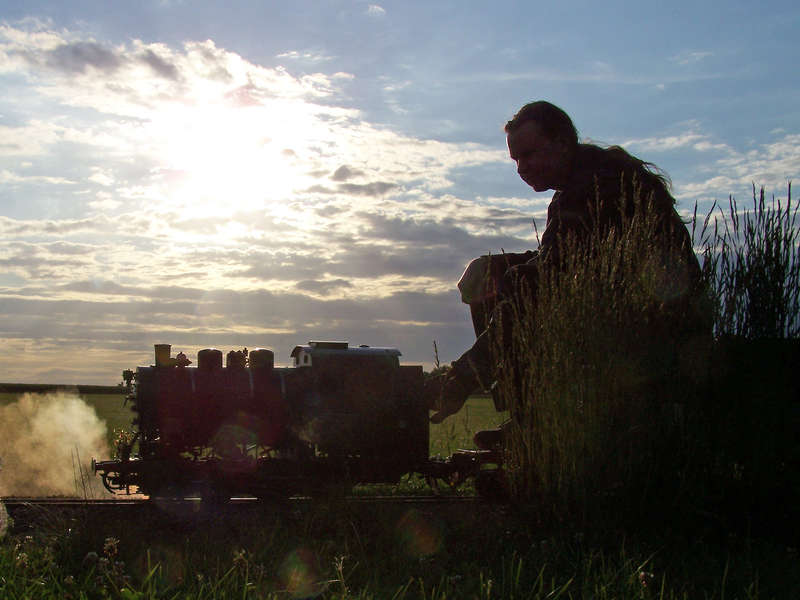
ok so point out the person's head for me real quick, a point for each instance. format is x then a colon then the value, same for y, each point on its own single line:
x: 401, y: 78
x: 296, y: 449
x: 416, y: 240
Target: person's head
x: 542, y: 141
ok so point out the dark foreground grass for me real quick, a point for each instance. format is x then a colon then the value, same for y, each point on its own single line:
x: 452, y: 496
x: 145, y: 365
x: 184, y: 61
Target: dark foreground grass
x: 336, y: 550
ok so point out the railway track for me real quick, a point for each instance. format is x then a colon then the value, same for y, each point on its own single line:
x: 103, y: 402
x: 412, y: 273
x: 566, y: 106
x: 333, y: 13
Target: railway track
x: 29, y: 512
x: 16, y: 502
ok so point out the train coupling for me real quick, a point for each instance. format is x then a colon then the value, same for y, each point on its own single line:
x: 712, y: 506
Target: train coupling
x: 461, y: 466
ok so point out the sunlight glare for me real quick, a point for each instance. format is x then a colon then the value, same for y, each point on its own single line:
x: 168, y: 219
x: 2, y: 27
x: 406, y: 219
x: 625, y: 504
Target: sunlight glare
x: 233, y: 157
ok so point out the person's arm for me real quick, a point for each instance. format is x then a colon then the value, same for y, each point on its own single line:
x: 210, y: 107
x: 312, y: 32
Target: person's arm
x: 448, y: 393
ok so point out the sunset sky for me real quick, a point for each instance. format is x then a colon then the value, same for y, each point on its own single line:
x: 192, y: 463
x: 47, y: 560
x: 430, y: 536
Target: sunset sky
x: 266, y: 173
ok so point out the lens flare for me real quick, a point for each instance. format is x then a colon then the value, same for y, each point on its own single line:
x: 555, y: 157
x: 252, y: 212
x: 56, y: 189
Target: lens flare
x: 418, y: 534
x: 170, y: 560
x: 299, y: 575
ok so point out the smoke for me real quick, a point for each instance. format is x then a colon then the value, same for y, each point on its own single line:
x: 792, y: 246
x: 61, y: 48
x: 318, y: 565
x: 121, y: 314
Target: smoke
x: 46, y: 443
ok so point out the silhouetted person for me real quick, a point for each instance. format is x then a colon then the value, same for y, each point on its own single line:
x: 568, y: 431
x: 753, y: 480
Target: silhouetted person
x: 595, y: 187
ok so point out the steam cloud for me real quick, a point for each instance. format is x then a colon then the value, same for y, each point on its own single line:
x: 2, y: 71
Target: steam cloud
x: 46, y: 443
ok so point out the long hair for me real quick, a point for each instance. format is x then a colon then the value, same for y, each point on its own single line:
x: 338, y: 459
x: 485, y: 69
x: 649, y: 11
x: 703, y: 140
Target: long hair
x: 619, y: 158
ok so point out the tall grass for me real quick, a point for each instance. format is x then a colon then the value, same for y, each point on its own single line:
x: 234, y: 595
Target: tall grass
x: 610, y: 374
x: 751, y: 261
x: 751, y: 412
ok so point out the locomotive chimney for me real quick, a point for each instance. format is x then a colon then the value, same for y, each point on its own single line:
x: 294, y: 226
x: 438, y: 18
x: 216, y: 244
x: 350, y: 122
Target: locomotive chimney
x: 162, y: 354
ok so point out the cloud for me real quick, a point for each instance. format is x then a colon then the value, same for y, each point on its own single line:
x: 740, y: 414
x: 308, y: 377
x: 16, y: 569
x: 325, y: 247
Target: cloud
x: 669, y: 142
x: 322, y: 288
x: 159, y: 65
x: 772, y: 165
x: 33, y: 138
x: 724, y: 169
x: 78, y: 57
x: 690, y: 56
x: 376, y: 188
x: 119, y: 79
x: 85, y: 57
x: 311, y: 56
x: 431, y: 233
x: 49, y: 227
x: 374, y: 10
x: 344, y: 173
x: 8, y: 177
x: 104, y: 204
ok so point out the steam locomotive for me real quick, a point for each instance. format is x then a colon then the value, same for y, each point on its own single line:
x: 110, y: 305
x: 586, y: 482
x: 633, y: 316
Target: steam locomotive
x: 341, y: 415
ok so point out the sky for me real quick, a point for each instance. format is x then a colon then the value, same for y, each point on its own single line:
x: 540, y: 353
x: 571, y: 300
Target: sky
x: 261, y: 174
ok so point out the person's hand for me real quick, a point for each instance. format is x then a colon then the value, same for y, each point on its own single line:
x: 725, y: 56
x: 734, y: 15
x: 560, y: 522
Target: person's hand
x: 520, y: 278
x: 445, y: 394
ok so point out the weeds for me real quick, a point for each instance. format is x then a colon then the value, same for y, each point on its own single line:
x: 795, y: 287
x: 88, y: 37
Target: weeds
x: 751, y: 261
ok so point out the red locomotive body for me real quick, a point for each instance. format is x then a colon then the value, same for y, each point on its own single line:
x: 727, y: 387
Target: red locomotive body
x: 341, y: 414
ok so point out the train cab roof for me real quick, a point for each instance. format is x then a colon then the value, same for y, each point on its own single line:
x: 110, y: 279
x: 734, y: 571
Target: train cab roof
x: 302, y: 354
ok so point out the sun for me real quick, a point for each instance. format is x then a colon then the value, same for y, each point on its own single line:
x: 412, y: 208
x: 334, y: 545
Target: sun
x: 224, y: 157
